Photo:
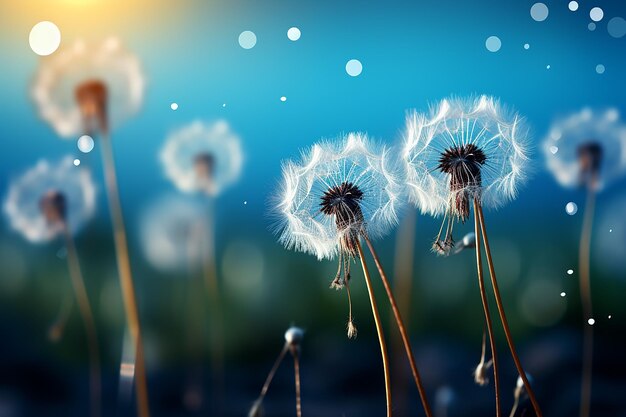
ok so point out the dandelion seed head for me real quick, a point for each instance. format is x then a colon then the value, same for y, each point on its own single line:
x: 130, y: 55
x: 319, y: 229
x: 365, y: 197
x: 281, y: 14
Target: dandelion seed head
x: 592, y: 149
x: 352, y: 331
x: 116, y: 72
x: 294, y: 336
x: 464, y: 149
x: 337, y: 190
x: 49, y: 196
x: 480, y: 373
x: 203, y: 157
x: 173, y: 232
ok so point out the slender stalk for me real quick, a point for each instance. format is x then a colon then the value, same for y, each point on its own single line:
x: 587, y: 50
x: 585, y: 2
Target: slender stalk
x: 403, y: 287
x: 270, y: 376
x: 215, y: 306
x: 125, y: 275
x: 584, y: 255
x: 488, y: 321
x: 90, y: 327
x: 57, y: 328
x: 401, y: 328
x: 514, y: 408
x: 379, y: 329
x: 505, y: 323
x: 296, y: 366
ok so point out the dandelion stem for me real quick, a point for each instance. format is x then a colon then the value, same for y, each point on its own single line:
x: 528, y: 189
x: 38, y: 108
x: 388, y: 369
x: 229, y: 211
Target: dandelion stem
x: 488, y: 321
x: 270, y: 376
x: 584, y: 254
x: 215, y: 306
x: 125, y: 275
x: 296, y: 366
x: 514, y: 408
x: 505, y: 324
x: 57, y: 328
x: 90, y: 327
x: 401, y: 328
x: 379, y: 327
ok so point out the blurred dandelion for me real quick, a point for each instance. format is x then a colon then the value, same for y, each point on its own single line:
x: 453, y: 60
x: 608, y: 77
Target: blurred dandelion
x: 205, y: 158
x: 293, y: 342
x: 480, y: 373
x: 591, y: 154
x: 468, y: 152
x: 52, y: 200
x: 89, y: 89
x: 341, y: 192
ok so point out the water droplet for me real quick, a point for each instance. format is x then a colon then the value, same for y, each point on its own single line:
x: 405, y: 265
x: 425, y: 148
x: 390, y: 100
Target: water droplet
x: 224, y: 105
x: 617, y: 27
x: 554, y: 149
x: 548, y: 66
x: 610, y: 317
x: 591, y: 322
x: 571, y: 208
x: 354, y: 67
x: 600, y: 69
x: 610, y: 230
x: 573, y: 5
x: 539, y: 12
x: 283, y: 98
x: 570, y: 271
x: 245, y: 203
x: 591, y: 26
x: 174, y: 106
x: 247, y: 39
x: 76, y: 162
x: 526, y: 46
x: 85, y: 144
x: 596, y: 14
x: 563, y: 294
x: 293, y: 34
x: 493, y: 44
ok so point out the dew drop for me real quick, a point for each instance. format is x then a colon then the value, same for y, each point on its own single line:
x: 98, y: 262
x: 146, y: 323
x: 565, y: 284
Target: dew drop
x: 571, y: 208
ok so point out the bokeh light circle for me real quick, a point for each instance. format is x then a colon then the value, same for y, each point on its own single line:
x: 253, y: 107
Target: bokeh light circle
x: 354, y: 67
x: 85, y: 144
x: 571, y: 208
x: 573, y: 6
x: 617, y: 27
x: 293, y: 34
x: 600, y: 69
x: 44, y: 38
x: 596, y: 14
x: 539, y: 12
x: 247, y: 39
x: 493, y: 44
x: 591, y: 26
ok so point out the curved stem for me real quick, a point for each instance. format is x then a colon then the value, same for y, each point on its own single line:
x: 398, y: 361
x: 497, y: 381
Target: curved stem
x: 505, y: 323
x: 379, y: 328
x: 400, y: 323
x: 57, y: 328
x: 584, y: 255
x: 296, y: 366
x: 90, y: 327
x: 125, y: 275
x: 514, y: 409
x: 270, y: 376
x: 488, y: 321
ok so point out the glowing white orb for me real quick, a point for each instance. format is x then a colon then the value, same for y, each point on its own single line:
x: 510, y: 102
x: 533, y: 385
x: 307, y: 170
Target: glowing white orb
x: 493, y: 44
x: 174, y: 106
x: 571, y: 208
x: 283, y: 98
x: 44, y: 38
x: 85, y: 144
x: 293, y: 34
x: 354, y: 67
x: 596, y: 14
x: 76, y: 162
x: 573, y: 5
x: 247, y: 39
x: 539, y: 12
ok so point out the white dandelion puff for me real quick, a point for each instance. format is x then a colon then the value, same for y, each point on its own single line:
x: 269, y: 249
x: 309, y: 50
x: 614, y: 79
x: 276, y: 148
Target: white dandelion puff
x: 172, y: 232
x: 203, y: 157
x: 338, y: 190
x: 69, y: 189
x: 464, y: 148
x: 590, y: 148
x: 107, y: 63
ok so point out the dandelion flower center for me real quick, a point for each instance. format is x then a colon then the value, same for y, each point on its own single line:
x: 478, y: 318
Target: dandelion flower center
x: 343, y: 202
x: 463, y: 163
x: 53, y: 206
x: 91, y: 97
x: 589, y: 161
x: 204, y: 168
